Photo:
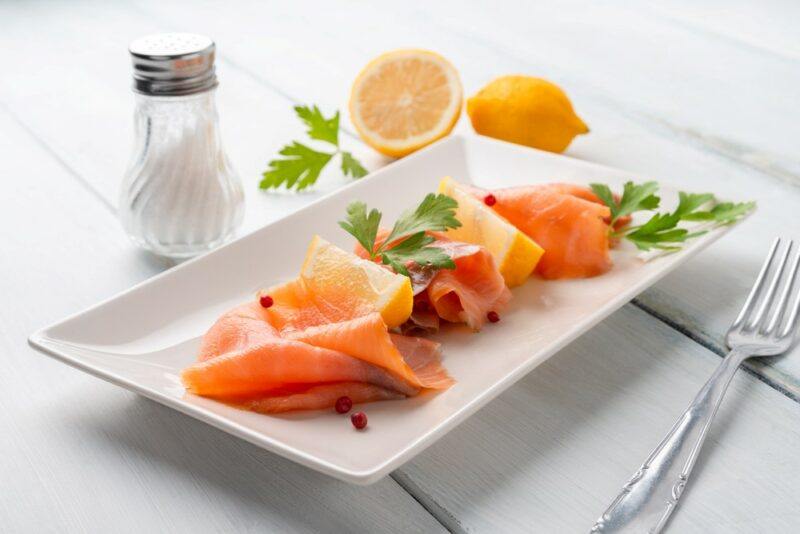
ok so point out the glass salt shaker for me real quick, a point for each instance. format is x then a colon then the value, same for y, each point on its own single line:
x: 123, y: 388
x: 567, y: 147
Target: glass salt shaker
x: 180, y: 196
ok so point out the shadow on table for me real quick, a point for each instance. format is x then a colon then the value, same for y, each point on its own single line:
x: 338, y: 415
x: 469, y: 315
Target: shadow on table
x: 267, y: 489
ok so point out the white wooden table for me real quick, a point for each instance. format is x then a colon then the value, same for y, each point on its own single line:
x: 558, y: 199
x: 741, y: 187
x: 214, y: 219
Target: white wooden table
x: 703, y: 96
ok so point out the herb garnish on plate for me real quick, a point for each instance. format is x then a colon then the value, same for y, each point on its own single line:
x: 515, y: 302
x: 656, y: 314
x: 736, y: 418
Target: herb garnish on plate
x: 661, y: 231
x: 407, y: 241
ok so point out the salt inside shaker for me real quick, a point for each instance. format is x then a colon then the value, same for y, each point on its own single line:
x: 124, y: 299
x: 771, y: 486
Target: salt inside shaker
x: 180, y: 195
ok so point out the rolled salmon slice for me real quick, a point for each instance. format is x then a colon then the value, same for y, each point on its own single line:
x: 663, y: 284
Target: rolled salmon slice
x: 587, y: 194
x: 464, y: 294
x: 568, y: 221
x: 469, y: 292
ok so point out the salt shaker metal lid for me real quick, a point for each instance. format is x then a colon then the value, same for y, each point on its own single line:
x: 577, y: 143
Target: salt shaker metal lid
x: 173, y: 64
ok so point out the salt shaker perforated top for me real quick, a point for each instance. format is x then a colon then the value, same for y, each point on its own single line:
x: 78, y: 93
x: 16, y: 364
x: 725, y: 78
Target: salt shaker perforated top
x: 180, y: 196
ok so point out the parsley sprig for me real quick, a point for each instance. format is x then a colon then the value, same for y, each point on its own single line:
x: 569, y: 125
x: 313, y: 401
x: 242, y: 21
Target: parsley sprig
x: 301, y: 165
x: 634, y: 198
x: 407, y: 242
x: 661, y: 231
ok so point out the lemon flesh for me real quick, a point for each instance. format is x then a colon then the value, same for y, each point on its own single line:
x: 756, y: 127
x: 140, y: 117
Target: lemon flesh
x: 527, y: 111
x: 343, y: 279
x: 515, y: 254
x: 404, y: 100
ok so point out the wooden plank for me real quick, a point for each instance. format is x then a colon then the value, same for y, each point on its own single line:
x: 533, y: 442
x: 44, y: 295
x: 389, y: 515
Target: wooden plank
x: 550, y: 453
x: 83, y: 455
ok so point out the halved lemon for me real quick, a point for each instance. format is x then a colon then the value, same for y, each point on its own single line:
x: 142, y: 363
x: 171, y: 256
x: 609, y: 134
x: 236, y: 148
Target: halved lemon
x: 515, y: 253
x: 344, y: 280
x: 404, y: 100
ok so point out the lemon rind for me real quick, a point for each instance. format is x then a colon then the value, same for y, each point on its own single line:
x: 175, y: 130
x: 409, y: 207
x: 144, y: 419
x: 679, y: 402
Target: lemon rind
x: 518, y: 259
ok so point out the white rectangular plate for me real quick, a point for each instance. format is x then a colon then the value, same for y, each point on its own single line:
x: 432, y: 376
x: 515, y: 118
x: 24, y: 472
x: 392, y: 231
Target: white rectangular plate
x: 142, y: 338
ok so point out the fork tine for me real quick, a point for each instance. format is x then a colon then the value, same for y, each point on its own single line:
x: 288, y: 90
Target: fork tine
x: 766, y: 303
x: 791, y: 324
x: 783, y: 301
x: 756, y: 290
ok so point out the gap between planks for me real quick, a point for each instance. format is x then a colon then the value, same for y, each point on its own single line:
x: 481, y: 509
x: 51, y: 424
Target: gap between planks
x: 82, y: 182
x: 754, y: 369
x: 436, y: 510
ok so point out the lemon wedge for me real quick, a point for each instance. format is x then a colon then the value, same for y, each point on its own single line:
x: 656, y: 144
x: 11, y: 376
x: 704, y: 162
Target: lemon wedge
x: 515, y: 253
x: 404, y: 100
x: 345, y: 281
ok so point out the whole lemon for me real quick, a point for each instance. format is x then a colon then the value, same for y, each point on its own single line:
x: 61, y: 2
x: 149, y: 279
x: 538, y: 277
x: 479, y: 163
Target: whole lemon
x: 525, y: 110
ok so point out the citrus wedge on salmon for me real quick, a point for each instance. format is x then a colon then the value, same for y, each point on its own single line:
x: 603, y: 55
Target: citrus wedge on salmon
x: 404, y: 100
x: 324, y: 336
x: 565, y: 220
x: 245, y: 360
x: 336, y: 285
x: 515, y: 254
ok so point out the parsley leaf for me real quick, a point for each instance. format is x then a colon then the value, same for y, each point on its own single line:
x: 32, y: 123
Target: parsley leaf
x: 416, y: 249
x: 634, y: 198
x: 729, y: 212
x: 689, y: 203
x: 661, y: 231
x: 722, y: 213
x: 319, y: 127
x: 605, y: 194
x: 303, y: 165
x: 351, y: 166
x: 362, y: 225
x: 407, y: 242
x: 435, y: 212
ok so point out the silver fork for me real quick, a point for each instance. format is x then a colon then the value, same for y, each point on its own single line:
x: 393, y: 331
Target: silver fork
x: 762, y: 328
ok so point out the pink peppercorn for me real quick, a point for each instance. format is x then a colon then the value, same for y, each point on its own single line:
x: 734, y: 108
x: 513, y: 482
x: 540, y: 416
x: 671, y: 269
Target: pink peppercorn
x: 343, y: 404
x: 359, y: 420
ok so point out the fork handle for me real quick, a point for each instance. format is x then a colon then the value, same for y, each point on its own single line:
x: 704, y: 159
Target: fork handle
x: 647, y: 500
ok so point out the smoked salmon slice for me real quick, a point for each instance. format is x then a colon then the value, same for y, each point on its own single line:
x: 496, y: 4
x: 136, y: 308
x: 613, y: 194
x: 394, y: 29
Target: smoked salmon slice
x: 469, y: 292
x: 568, y: 221
x: 587, y: 194
x: 247, y: 360
x: 320, y: 397
x: 273, y: 364
x: 367, y: 338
